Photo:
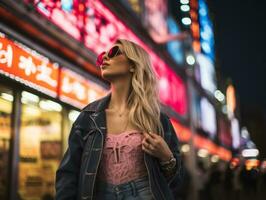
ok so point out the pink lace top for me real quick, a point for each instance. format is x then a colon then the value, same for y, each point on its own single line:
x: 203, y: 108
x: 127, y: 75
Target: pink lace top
x: 122, y: 158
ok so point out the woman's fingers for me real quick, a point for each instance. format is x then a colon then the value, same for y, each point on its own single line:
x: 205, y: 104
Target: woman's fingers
x: 146, y: 148
x: 149, y: 138
x: 145, y: 143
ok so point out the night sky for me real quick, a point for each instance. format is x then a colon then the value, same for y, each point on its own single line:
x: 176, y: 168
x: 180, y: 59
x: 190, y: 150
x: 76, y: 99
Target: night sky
x: 240, y: 37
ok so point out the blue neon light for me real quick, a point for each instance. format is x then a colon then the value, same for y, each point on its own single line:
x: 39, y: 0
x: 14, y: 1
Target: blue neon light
x: 175, y: 47
x: 206, y: 31
x: 67, y: 5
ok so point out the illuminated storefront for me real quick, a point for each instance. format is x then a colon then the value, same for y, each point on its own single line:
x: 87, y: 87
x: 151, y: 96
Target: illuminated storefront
x: 40, y: 145
x: 45, y: 116
x: 6, y: 98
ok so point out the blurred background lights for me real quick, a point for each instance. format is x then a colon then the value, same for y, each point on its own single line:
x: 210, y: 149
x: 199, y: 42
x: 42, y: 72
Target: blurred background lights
x: 224, y: 109
x: 190, y: 59
x: 29, y: 98
x: 206, y: 47
x: 7, y: 97
x: 184, y: 1
x: 185, y: 148
x: 234, y: 163
x: 203, y: 153
x: 185, y: 8
x: 244, y: 133
x: 67, y: 5
x: 250, y: 152
x: 215, y: 158
x: 250, y: 144
x: 219, y: 95
x: 186, y: 20
x: 73, y: 114
x: 50, y: 105
x: 32, y: 111
x: 163, y: 83
x: 251, y: 163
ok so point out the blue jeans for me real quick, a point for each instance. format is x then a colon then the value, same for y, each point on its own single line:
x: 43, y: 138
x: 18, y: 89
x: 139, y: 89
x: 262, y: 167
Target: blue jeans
x: 137, y: 189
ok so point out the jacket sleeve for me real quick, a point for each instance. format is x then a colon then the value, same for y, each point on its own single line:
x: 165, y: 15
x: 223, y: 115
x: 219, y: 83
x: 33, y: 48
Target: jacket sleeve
x: 67, y: 175
x: 176, y: 177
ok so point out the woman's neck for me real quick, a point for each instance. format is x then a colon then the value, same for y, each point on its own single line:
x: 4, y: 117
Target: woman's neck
x: 119, y: 95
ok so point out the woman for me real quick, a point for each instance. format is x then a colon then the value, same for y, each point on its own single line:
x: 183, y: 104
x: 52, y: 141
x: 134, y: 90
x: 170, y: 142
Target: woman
x: 122, y: 146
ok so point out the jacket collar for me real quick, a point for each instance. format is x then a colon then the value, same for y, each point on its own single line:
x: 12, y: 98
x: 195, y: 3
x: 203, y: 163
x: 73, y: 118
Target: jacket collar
x: 97, y: 112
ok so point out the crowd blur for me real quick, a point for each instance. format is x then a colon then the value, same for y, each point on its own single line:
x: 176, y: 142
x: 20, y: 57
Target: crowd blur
x: 239, y: 179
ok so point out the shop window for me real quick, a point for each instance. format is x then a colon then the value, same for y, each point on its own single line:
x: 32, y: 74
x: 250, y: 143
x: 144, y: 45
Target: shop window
x: 69, y: 119
x: 6, y: 99
x: 40, y: 146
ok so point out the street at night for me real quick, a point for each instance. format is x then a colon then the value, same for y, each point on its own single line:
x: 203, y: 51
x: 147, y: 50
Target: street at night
x: 132, y: 99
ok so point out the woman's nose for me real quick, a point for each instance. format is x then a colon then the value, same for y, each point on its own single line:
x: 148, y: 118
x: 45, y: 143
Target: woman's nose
x: 105, y: 57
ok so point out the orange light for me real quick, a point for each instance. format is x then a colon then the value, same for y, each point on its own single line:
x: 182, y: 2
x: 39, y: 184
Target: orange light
x: 251, y: 163
x: 204, y: 143
x: 195, y: 30
x: 183, y: 133
x: 81, y: 7
x: 194, y: 15
x: 196, y: 46
x: 231, y: 99
x: 194, y: 4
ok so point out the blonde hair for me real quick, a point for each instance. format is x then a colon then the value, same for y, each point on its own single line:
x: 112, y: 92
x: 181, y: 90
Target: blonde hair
x: 143, y: 98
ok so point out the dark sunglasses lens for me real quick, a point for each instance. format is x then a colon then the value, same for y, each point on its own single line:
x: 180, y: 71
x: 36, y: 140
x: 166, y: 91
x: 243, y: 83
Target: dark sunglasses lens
x: 113, y: 51
x: 99, y: 60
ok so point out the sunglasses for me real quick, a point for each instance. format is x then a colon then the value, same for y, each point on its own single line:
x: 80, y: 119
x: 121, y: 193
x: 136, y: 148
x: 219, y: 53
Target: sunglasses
x: 114, y: 51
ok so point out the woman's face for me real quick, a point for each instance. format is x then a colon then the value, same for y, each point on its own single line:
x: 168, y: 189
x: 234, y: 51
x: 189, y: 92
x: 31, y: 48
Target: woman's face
x: 116, y: 64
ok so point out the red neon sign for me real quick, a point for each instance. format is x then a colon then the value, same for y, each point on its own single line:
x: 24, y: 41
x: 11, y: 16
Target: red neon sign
x: 27, y: 66
x: 182, y: 132
x: 77, y: 90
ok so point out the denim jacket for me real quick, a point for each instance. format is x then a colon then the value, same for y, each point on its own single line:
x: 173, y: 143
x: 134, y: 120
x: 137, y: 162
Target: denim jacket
x: 76, y: 175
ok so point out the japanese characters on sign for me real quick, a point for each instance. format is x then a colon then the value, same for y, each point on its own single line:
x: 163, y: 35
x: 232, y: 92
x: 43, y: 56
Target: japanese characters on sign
x: 29, y: 67
x: 77, y: 90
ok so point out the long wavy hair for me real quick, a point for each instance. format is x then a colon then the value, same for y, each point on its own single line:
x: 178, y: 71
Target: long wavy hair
x: 143, y: 98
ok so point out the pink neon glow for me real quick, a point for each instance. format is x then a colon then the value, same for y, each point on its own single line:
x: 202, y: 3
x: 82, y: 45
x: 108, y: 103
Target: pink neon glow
x: 66, y: 21
x: 101, y: 29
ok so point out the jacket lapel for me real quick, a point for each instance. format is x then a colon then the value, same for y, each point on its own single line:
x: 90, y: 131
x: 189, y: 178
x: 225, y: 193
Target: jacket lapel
x: 99, y: 115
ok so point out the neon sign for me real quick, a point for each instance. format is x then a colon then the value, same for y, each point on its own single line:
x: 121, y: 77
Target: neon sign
x: 78, y: 91
x: 27, y: 66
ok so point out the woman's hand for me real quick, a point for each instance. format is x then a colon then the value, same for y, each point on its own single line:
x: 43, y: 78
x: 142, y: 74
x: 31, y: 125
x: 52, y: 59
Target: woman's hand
x: 155, y: 145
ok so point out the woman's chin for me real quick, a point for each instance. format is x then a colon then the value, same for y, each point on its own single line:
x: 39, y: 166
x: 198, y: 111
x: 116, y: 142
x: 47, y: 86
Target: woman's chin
x: 113, y: 76
x: 107, y: 75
